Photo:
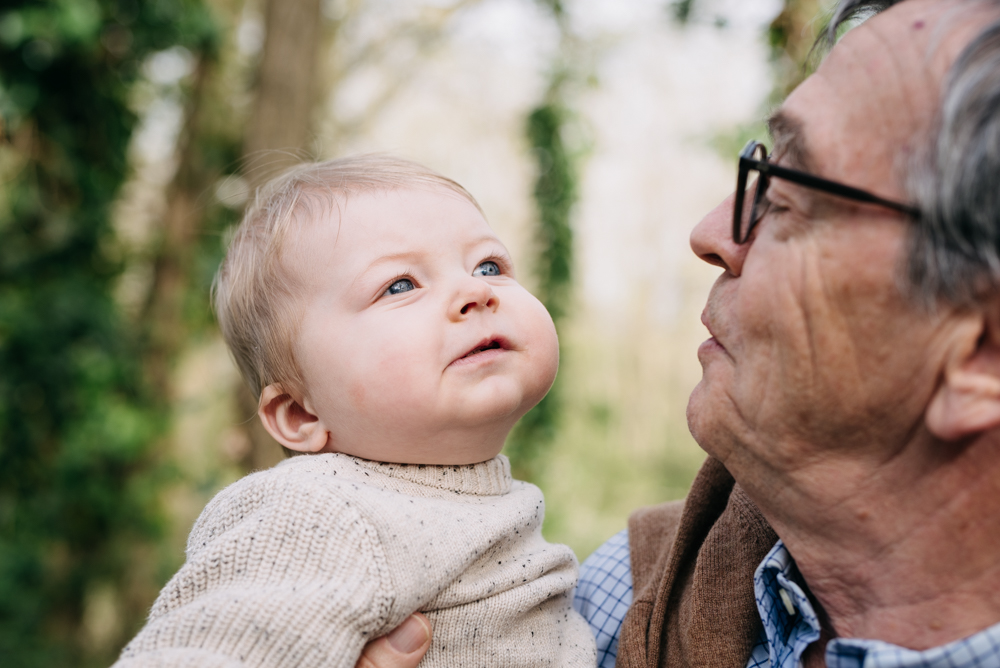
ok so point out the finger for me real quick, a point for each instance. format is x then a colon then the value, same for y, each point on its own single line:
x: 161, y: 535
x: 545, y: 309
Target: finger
x: 403, y: 648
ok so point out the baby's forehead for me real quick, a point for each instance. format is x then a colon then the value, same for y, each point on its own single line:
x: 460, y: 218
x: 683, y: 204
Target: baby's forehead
x: 354, y: 228
x: 421, y: 206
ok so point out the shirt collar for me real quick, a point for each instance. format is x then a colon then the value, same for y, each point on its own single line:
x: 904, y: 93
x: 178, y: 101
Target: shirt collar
x: 978, y: 650
x: 791, y: 624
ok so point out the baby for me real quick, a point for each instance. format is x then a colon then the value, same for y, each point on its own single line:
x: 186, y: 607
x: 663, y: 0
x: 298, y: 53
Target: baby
x: 377, y: 316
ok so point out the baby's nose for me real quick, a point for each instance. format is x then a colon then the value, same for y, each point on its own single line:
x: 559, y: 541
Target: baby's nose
x: 474, y: 294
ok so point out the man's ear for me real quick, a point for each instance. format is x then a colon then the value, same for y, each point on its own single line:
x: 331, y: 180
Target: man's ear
x: 967, y: 402
x: 292, y: 423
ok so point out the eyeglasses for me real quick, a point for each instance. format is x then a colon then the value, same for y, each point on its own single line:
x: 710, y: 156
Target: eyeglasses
x: 754, y: 157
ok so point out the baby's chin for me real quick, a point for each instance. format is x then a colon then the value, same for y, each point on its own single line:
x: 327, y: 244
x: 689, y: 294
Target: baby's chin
x: 454, y: 441
x: 502, y: 397
x: 464, y: 428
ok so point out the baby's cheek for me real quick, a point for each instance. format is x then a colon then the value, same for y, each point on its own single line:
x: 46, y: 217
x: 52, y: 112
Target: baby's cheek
x: 544, y: 333
x: 357, y: 393
x: 394, y: 379
x: 543, y: 347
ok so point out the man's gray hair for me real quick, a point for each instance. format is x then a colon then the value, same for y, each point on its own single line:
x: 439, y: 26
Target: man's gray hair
x: 955, y: 180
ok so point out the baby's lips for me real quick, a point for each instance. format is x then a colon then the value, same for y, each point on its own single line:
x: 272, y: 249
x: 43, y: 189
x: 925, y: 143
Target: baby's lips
x: 493, y: 342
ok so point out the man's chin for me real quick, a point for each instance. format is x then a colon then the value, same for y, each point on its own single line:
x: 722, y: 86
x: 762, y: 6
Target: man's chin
x: 700, y: 418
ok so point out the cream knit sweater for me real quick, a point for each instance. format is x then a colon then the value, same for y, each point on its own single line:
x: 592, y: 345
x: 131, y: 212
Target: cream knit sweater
x: 302, y: 564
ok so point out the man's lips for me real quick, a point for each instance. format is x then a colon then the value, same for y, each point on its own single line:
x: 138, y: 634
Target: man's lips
x: 704, y: 321
x: 487, y: 348
x: 708, y: 325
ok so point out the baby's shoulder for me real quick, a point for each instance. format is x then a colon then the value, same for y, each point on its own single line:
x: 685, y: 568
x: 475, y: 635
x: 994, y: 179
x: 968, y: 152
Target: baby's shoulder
x: 300, y: 489
x: 307, y: 472
x: 296, y: 477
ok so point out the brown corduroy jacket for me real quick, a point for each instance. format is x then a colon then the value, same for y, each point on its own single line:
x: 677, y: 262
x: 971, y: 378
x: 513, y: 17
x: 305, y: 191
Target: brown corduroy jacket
x: 692, y: 571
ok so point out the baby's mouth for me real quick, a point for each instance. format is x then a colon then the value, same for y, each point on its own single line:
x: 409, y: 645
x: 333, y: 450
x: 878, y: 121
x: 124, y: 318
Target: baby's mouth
x: 485, y: 350
x: 492, y: 345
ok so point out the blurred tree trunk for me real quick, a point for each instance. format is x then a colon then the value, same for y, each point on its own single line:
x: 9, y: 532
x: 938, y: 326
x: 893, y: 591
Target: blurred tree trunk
x: 162, y: 317
x: 281, y: 123
x: 278, y: 136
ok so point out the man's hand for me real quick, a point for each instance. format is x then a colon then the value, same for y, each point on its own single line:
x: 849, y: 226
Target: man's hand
x: 403, y: 648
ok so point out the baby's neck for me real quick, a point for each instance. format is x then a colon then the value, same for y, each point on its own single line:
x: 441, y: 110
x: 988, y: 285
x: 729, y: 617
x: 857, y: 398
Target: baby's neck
x: 487, y: 478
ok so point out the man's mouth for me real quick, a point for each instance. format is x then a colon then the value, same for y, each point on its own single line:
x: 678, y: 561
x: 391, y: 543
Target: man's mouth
x: 706, y: 323
x: 712, y: 343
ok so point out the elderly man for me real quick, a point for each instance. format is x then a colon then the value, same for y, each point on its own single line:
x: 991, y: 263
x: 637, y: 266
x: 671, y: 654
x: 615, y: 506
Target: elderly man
x: 849, y: 511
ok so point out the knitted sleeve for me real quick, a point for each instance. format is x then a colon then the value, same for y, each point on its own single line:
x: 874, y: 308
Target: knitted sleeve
x: 281, y: 571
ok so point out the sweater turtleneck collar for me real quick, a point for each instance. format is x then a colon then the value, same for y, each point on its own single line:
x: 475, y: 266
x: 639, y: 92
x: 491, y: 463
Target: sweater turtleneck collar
x: 489, y: 478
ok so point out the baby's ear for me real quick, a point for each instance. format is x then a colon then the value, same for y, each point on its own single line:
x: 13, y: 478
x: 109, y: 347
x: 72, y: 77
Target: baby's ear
x: 290, y: 422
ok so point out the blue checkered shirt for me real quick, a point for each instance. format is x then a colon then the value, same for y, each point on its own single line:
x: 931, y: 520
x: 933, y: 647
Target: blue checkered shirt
x: 790, y: 622
x: 604, y: 594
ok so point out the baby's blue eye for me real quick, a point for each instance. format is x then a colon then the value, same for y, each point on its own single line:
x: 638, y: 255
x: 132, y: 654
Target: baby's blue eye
x: 402, y: 285
x: 488, y: 268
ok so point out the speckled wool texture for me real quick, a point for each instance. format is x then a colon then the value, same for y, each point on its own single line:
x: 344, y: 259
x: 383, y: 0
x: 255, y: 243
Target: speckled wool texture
x: 302, y: 564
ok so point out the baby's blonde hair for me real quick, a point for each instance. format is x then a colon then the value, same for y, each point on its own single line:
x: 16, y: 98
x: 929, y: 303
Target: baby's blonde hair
x: 252, y: 295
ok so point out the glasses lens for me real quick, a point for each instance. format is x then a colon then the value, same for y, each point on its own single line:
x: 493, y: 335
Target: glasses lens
x: 754, y: 204
x: 747, y: 201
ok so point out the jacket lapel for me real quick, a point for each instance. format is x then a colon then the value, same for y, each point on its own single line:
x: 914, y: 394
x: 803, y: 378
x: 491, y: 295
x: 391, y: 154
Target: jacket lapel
x: 693, y: 566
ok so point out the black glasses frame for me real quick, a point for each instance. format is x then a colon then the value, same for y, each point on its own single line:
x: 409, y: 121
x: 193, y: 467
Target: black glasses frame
x: 754, y: 157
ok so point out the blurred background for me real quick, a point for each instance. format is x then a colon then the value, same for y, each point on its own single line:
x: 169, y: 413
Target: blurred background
x: 595, y: 134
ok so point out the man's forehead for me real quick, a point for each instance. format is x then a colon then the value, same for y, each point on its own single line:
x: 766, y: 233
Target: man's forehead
x: 872, y: 101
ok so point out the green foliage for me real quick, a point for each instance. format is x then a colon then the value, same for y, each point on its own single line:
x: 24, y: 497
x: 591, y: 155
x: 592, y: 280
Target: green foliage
x: 78, y: 474
x: 729, y: 143
x: 791, y: 37
x: 680, y: 10
x: 555, y: 193
x: 555, y: 7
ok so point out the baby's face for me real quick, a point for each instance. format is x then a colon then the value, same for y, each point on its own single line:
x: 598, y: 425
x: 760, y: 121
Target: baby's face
x: 417, y: 345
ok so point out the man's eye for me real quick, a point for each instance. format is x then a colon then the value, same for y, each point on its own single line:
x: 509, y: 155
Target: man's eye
x: 402, y: 285
x: 488, y: 268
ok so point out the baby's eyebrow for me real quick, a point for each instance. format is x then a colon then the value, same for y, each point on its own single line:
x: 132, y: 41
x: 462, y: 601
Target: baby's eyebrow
x: 496, y: 246
x: 403, y: 257
x: 411, y: 257
x: 389, y: 258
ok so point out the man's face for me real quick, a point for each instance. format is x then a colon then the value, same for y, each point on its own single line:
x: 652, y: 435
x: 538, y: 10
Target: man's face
x: 416, y: 342
x: 815, y: 352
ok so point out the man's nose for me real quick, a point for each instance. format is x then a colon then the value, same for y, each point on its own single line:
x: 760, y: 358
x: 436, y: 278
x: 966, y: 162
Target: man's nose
x: 472, y: 293
x: 712, y: 239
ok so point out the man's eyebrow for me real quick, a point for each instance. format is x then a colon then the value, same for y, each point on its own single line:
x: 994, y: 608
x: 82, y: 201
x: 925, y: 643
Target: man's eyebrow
x: 789, y: 141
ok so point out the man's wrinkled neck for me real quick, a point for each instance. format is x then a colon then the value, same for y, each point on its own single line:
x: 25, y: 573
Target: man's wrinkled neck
x: 904, y: 552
